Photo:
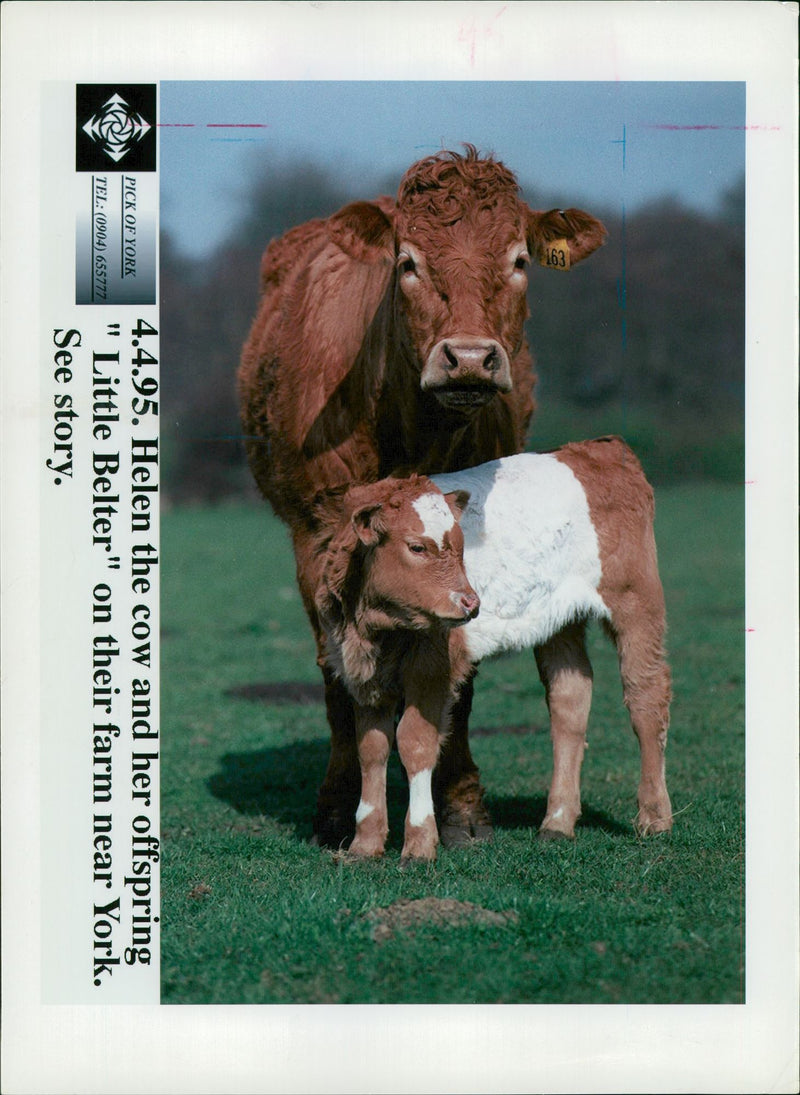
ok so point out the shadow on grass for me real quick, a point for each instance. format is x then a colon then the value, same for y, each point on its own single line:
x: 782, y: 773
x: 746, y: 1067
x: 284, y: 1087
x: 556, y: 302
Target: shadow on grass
x: 282, y: 783
x: 527, y: 812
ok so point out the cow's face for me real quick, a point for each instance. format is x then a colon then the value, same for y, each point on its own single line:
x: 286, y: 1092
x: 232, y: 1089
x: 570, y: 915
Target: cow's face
x: 416, y: 575
x: 460, y: 239
x: 463, y: 291
x: 463, y: 242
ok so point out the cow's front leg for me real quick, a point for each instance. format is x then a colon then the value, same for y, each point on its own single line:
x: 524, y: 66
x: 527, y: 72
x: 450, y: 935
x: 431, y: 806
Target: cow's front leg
x: 338, y: 796
x: 375, y: 734
x: 460, y: 807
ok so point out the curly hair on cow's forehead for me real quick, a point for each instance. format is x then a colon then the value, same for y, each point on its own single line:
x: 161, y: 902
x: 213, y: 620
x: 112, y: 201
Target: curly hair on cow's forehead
x: 448, y: 184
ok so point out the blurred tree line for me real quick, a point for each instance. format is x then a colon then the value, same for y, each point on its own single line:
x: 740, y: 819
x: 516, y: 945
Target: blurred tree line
x: 645, y: 339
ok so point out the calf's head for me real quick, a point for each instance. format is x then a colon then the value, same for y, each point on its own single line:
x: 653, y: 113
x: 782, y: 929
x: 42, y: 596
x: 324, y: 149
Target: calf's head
x: 461, y: 239
x: 396, y: 561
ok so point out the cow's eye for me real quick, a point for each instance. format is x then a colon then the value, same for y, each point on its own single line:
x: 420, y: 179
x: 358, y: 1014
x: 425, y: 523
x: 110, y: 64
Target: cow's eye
x: 417, y: 549
x: 522, y: 260
x: 405, y: 264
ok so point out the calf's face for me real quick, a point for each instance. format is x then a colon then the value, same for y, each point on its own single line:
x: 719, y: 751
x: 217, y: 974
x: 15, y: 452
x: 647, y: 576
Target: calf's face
x: 415, y: 571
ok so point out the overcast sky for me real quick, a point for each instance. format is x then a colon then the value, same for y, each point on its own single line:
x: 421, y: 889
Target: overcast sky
x: 561, y: 139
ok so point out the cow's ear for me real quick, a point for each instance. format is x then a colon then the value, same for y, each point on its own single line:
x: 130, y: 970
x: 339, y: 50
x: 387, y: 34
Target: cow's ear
x: 367, y: 524
x: 581, y: 232
x: 364, y: 230
x: 317, y: 321
x: 457, y: 501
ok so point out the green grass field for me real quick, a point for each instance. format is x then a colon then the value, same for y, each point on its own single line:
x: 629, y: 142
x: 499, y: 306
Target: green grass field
x: 252, y: 913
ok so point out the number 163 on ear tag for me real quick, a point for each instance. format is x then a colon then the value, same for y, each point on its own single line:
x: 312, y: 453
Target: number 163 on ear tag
x: 555, y: 255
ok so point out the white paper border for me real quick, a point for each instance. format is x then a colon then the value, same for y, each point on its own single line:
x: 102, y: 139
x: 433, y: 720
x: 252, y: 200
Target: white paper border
x: 397, y: 1048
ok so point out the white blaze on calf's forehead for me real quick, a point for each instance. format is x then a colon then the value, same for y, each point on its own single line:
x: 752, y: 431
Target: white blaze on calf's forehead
x: 436, y: 516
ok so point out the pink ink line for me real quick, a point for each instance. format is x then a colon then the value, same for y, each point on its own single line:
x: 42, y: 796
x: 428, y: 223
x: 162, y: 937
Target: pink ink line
x: 214, y: 125
x: 749, y: 630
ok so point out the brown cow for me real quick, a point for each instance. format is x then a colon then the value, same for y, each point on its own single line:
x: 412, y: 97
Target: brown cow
x: 549, y: 541
x: 390, y: 336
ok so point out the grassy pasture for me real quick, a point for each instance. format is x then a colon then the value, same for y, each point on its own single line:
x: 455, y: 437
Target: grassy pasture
x: 251, y: 913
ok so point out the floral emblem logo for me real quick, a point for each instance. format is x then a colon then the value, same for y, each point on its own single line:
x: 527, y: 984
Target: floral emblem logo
x: 116, y: 128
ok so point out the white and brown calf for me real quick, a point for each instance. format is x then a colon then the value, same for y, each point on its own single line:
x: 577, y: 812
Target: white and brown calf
x: 393, y: 587
x: 549, y: 541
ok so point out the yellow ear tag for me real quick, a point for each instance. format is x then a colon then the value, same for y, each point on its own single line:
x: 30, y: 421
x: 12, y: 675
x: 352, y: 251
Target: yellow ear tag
x: 555, y: 255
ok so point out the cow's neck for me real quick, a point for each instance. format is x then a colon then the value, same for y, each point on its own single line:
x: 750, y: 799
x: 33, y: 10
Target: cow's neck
x: 417, y: 432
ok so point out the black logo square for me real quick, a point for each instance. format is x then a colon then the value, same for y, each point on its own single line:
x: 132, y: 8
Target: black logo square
x: 115, y: 127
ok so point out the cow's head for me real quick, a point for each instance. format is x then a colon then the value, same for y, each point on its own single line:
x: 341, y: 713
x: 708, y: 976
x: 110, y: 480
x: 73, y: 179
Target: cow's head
x: 397, y: 561
x: 461, y: 240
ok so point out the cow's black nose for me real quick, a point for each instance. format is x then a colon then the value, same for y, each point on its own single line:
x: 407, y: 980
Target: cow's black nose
x: 477, y: 359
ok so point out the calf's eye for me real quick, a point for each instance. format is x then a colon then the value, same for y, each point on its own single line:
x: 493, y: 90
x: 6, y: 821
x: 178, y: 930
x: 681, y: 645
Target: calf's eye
x: 406, y: 265
x: 417, y: 549
x: 521, y: 261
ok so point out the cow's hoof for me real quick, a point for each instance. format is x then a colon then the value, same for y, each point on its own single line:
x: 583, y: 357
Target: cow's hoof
x: 461, y: 814
x: 334, y: 827
x: 455, y: 837
x: 455, y: 833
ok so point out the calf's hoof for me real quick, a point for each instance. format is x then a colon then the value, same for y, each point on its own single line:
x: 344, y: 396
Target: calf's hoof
x: 550, y: 835
x: 654, y: 816
x: 420, y: 842
x: 650, y: 826
x: 370, y: 847
x: 559, y: 821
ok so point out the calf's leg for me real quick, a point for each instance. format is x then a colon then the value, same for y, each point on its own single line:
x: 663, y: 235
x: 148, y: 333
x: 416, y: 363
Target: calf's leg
x: 418, y: 745
x: 566, y: 674
x: 458, y: 794
x: 375, y: 734
x: 646, y: 689
x: 460, y: 806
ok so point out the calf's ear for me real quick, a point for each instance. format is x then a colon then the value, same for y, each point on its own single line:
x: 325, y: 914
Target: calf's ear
x: 457, y: 501
x: 329, y: 595
x: 582, y: 233
x: 364, y: 230
x: 367, y: 524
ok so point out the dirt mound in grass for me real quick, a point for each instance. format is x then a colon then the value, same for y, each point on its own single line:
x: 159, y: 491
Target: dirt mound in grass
x: 445, y: 912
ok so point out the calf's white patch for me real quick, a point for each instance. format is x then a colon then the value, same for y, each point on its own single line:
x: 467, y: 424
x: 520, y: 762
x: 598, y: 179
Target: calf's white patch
x: 420, y: 800
x: 363, y: 811
x: 436, y: 516
x: 530, y: 551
